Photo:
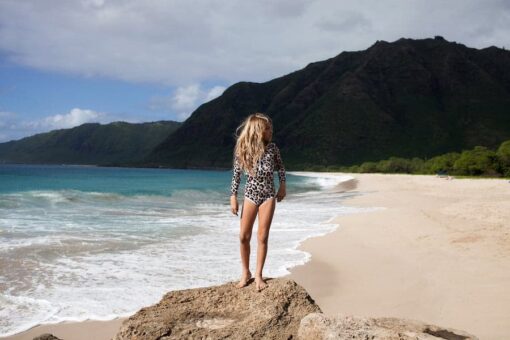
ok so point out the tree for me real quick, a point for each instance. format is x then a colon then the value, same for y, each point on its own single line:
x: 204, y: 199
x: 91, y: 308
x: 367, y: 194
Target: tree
x: 441, y: 163
x: 368, y: 167
x: 479, y: 161
x: 503, y: 155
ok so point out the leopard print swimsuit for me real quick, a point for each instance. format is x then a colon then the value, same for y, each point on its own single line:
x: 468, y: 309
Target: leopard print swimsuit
x: 259, y: 188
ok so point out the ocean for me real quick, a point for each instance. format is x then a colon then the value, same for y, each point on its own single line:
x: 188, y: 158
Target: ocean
x: 86, y: 242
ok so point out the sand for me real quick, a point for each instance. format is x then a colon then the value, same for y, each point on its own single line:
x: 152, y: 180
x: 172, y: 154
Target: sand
x: 85, y: 330
x: 437, y: 250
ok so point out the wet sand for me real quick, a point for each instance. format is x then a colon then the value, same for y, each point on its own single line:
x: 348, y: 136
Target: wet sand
x: 85, y: 330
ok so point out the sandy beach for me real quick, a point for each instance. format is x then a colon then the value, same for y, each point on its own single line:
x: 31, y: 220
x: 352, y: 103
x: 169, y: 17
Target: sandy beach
x: 86, y: 330
x: 438, y: 251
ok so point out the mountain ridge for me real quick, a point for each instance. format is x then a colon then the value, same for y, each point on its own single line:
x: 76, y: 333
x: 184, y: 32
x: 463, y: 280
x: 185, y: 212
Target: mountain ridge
x: 407, y: 98
x: 89, y: 143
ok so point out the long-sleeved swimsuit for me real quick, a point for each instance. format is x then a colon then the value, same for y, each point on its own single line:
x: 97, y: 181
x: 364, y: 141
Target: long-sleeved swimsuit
x: 260, y: 187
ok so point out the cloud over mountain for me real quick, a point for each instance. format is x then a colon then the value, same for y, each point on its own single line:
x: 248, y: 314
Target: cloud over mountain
x: 182, y: 42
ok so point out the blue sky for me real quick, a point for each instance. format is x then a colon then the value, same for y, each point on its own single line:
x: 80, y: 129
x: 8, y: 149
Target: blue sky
x: 29, y: 96
x: 35, y: 92
x: 67, y: 62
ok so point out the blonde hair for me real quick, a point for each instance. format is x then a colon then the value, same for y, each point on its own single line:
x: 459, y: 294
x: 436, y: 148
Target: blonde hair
x: 250, y: 144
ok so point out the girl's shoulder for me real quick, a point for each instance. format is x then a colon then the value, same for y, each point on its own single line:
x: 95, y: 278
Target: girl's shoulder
x: 271, y: 146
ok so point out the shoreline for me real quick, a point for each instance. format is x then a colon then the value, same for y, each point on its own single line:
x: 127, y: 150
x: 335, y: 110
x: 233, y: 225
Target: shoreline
x: 438, y: 253
x: 75, y: 330
x: 106, y: 329
x: 371, y: 266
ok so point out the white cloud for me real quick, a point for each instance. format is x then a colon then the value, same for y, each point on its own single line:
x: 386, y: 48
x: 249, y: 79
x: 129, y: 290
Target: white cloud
x: 6, y: 118
x: 9, y: 127
x: 344, y: 21
x: 184, y: 100
x: 214, y: 93
x: 13, y: 127
x: 184, y: 42
x: 186, y: 97
x: 6, y: 114
x: 93, y: 3
x: 71, y: 119
x: 74, y: 118
x: 183, y: 115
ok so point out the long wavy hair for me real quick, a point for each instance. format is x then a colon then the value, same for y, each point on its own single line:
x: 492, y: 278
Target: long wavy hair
x: 250, y: 143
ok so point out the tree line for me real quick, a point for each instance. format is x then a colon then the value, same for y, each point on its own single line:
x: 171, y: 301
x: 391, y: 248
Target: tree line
x: 479, y: 161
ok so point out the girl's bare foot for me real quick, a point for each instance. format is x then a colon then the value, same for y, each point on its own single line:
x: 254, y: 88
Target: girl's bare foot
x: 260, y: 283
x: 244, y: 280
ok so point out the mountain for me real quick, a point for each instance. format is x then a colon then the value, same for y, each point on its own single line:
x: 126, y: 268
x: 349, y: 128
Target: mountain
x: 407, y: 98
x: 90, y: 143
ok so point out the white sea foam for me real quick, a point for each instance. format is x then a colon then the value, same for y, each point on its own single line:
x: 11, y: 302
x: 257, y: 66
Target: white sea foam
x: 68, y: 249
x: 324, y: 179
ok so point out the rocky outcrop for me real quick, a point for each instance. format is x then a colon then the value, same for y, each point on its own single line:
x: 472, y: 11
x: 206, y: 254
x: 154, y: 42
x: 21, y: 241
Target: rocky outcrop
x: 319, y: 326
x: 283, y: 310
x: 223, y: 311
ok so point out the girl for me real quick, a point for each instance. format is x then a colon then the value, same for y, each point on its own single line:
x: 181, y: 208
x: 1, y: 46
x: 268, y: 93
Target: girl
x: 258, y: 157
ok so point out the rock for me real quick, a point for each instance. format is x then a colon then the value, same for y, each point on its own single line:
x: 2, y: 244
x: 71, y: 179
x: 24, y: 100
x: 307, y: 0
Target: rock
x: 319, y: 326
x: 46, y: 336
x: 224, y: 311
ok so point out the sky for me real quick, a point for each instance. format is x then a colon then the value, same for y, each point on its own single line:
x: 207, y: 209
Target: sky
x: 68, y: 62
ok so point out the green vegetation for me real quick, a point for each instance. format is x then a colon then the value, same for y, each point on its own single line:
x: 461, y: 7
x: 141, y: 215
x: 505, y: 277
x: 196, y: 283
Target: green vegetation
x: 480, y: 161
x: 117, y: 143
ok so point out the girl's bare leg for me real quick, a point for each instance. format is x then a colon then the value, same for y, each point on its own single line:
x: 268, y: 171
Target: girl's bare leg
x: 266, y: 212
x: 248, y: 215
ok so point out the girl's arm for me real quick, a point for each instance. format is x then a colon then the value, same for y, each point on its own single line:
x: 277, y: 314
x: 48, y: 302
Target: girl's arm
x: 236, y: 177
x: 279, y: 165
x: 234, y: 187
x: 282, y: 192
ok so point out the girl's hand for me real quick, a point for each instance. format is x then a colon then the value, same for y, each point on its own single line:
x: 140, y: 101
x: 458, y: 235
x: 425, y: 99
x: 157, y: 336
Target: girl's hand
x: 281, y: 192
x: 234, y: 206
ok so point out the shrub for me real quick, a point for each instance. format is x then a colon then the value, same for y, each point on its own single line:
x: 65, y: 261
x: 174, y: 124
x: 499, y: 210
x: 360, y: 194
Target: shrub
x: 479, y: 161
x: 503, y: 155
x: 397, y: 165
x: 441, y: 163
x: 368, y: 167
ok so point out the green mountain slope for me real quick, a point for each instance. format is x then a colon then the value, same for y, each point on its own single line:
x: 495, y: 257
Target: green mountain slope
x: 90, y: 143
x: 408, y: 98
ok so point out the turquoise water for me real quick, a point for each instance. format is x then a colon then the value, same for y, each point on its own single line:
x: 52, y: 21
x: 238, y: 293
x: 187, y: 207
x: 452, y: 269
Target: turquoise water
x: 124, y: 181
x: 71, y: 235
